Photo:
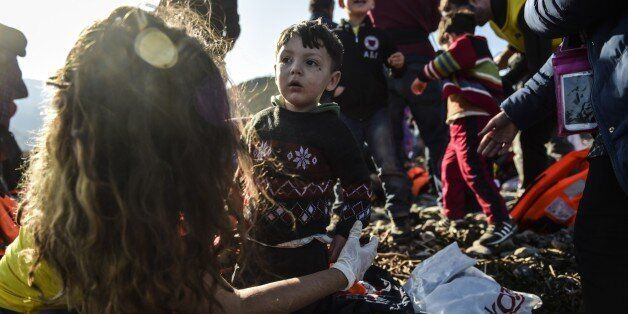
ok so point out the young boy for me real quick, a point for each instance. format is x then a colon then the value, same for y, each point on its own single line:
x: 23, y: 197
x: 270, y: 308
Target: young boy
x: 363, y: 96
x: 472, y: 87
x: 300, y: 149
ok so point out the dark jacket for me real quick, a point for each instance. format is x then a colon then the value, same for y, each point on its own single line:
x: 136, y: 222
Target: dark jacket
x: 604, y: 24
x: 365, y: 55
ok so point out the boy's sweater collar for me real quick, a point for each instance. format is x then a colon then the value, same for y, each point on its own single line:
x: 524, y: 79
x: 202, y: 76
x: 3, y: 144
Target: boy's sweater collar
x: 280, y: 102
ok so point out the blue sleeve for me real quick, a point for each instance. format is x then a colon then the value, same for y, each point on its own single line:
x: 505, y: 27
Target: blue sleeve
x: 560, y: 18
x: 535, y: 101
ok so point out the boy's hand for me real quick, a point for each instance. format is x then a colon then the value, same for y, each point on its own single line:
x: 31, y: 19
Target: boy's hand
x: 396, y: 60
x: 418, y: 87
x: 338, y: 91
x: 336, y: 247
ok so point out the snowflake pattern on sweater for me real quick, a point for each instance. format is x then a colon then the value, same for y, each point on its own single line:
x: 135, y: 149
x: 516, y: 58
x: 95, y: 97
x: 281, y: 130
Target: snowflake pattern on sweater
x: 299, y: 158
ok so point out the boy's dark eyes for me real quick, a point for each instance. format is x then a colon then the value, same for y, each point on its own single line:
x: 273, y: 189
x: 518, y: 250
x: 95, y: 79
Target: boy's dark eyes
x: 311, y: 62
x: 285, y: 59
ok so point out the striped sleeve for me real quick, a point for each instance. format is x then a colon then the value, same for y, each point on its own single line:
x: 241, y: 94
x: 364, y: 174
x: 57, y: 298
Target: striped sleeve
x: 460, y: 56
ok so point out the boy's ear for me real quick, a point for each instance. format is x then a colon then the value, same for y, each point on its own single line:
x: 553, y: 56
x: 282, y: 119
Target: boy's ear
x: 333, y: 82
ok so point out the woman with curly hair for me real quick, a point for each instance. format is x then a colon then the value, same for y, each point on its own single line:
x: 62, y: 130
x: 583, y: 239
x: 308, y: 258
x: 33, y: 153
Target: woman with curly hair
x: 125, y: 191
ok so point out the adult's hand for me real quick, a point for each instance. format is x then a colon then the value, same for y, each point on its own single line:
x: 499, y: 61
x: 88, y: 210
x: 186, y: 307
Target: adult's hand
x: 354, y: 259
x: 498, y: 135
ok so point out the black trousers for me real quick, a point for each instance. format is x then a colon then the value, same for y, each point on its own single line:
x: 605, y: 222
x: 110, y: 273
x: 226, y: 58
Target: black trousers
x: 534, y: 158
x: 601, y: 239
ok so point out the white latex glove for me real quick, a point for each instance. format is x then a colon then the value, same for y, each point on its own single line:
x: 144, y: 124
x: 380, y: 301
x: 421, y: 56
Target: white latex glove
x: 354, y: 260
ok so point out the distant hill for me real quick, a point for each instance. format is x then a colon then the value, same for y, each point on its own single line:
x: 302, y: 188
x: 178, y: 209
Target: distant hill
x: 28, y: 118
x: 254, y: 95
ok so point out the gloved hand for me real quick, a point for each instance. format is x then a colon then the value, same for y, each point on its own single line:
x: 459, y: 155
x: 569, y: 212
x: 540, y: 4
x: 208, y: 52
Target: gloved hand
x: 354, y: 260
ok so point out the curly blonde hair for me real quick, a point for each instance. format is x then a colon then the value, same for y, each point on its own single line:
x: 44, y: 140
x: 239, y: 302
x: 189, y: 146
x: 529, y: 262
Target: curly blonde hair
x: 125, y: 191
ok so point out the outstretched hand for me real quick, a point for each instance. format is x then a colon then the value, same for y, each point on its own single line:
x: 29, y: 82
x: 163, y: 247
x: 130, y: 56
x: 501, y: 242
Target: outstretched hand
x: 498, y: 135
x: 354, y: 259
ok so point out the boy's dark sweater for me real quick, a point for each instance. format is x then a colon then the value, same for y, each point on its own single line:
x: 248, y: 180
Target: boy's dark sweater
x: 365, y: 55
x: 298, y: 158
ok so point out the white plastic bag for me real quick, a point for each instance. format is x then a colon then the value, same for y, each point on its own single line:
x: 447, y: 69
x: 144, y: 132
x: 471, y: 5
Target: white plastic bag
x: 434, y: 271
x: 448, y: 283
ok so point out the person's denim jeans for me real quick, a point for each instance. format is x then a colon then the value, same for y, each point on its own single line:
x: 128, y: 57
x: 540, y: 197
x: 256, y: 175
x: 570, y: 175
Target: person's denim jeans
x: 428, y: 111
x: 376, y: 132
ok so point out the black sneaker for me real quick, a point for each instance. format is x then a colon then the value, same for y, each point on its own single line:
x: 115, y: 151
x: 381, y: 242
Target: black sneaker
x: 498, y: 233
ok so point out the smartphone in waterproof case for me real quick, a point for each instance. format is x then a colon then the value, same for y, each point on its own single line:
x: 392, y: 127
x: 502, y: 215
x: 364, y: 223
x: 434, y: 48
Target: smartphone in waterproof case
x: 576, y: 110
x: 574, y: 80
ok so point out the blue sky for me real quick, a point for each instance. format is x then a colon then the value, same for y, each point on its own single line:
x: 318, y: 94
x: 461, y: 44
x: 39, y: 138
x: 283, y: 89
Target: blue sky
x: 52, y: 26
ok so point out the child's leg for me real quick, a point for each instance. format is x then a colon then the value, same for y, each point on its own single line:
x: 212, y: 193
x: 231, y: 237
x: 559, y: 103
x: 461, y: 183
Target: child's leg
x: 476, y: 169
x: 396, y: 182
x: 453, y: 183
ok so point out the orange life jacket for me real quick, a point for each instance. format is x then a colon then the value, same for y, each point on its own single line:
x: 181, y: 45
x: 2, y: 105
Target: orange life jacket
x: 554, y: 195
x: 8, y: 228
x: 419, y: 178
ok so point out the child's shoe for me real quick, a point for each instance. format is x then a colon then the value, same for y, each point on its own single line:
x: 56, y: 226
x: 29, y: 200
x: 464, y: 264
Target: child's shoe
x: 498, y: 233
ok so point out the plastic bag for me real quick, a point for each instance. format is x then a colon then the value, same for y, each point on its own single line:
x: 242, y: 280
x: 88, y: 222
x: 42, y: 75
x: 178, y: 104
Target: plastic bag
x: 448, y: 283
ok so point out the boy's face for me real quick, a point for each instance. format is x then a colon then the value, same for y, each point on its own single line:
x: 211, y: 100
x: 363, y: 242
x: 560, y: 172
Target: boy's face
x: 303, y: 74
x: 359, y: 6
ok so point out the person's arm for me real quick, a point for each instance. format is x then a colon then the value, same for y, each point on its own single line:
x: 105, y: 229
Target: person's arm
x: 560, y: 18
x: 393, y: 59
x: 348, y: 164
x: 535, y: 101
x: 460, y: 56
x: 282, y: 296
x: 292, y: 294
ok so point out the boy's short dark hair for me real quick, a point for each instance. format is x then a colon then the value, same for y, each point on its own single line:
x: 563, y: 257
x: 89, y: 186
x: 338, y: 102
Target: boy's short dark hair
x: 321, y: 5
x: 456, y: 22
x: 314, y: 35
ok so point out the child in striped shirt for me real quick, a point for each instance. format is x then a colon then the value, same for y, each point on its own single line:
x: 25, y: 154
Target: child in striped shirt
x: 472, y: 87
